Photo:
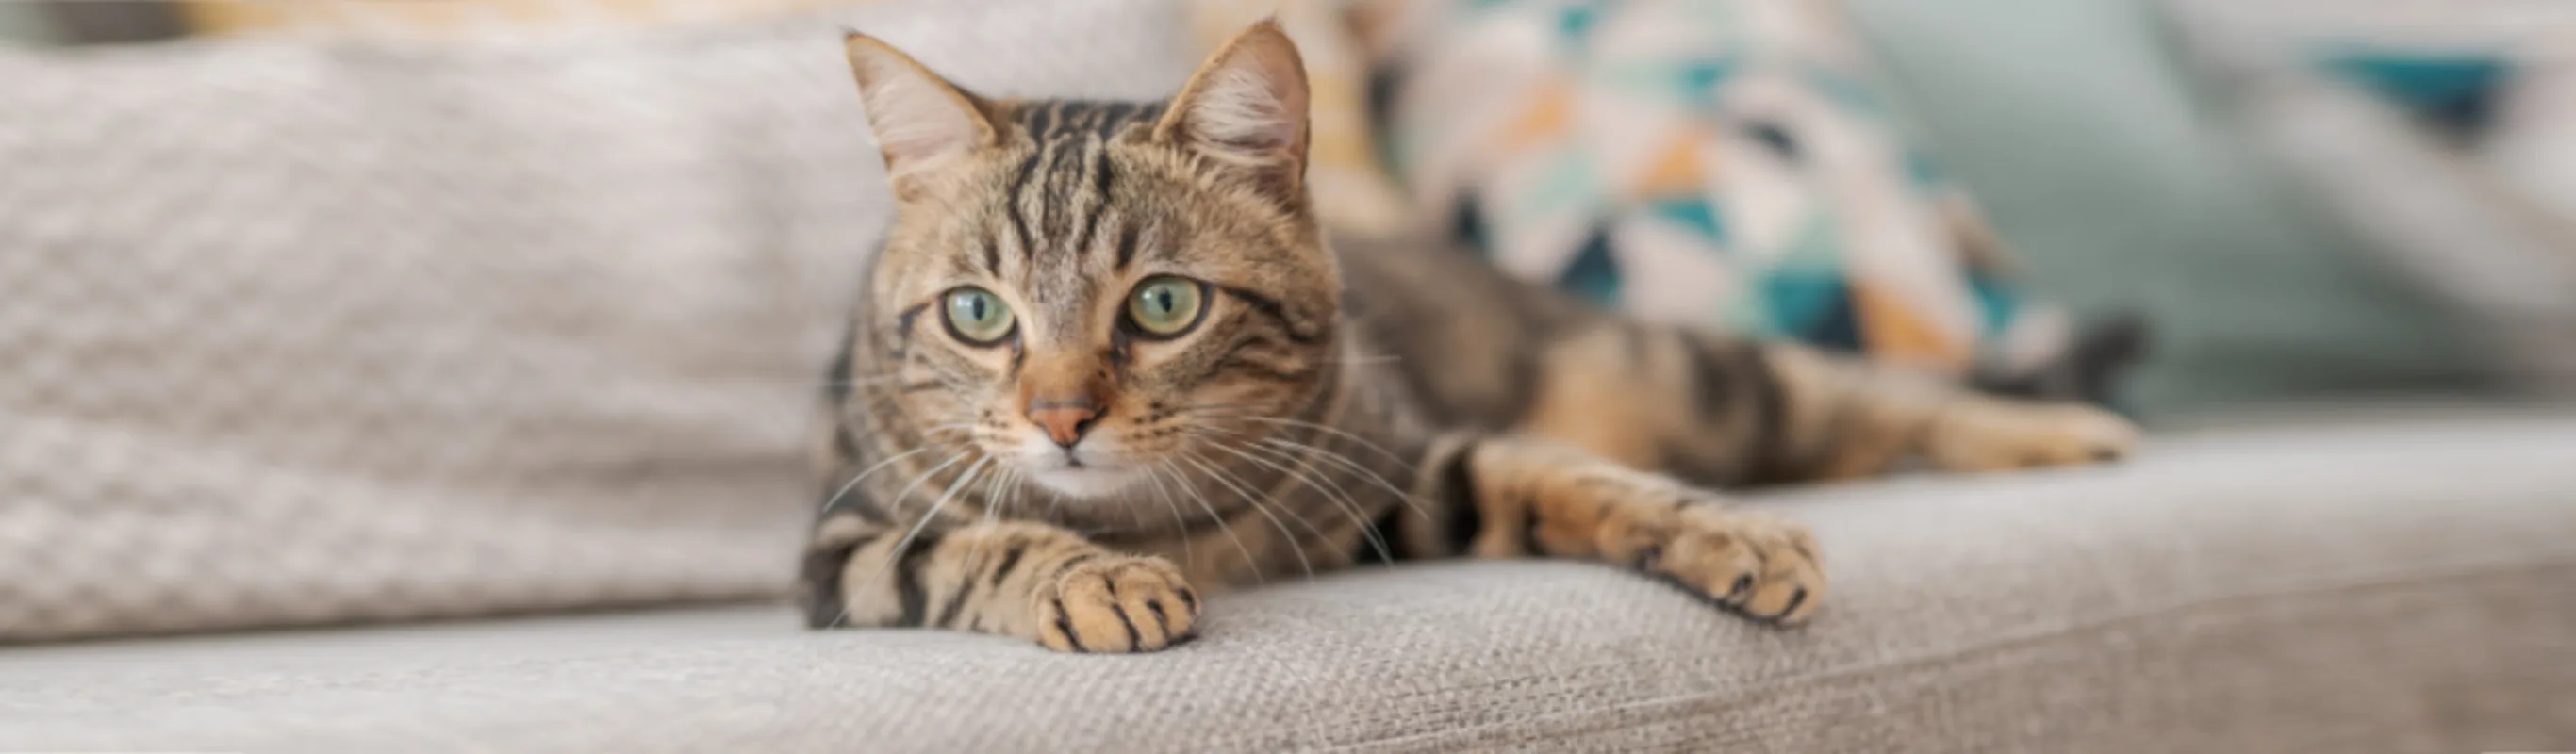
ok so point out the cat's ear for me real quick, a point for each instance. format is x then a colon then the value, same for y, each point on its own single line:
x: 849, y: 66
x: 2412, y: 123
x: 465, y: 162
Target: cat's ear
x: 921, y: 121
x: 1246, y: 108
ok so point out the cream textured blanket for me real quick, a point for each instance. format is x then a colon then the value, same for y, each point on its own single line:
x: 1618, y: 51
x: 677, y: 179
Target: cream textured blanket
x: 297, y: 332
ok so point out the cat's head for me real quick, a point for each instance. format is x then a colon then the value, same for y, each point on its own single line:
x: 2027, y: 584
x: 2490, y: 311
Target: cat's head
x: 1090, y: 290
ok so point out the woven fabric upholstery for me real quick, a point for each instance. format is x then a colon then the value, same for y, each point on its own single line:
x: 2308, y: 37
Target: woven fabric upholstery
x: 312, y: 331
x: 2390, y: 587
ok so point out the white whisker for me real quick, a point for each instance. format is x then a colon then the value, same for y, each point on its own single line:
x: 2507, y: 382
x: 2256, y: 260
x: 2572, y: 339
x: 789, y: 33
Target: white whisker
x: 1180, y: 523
x: 991, y: 495
x: 830, y: 502
x: 1401, y: 497
x: 894, y: 555
x: 1383, y: 358
x: 1258, y: 575
x: 1363, y: 442
x: 892, y: 507
x: 1322, y: 483
x: 1256, y: 502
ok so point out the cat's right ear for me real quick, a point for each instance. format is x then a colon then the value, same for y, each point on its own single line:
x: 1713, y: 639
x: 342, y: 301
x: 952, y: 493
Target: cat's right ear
x: 921, y: 121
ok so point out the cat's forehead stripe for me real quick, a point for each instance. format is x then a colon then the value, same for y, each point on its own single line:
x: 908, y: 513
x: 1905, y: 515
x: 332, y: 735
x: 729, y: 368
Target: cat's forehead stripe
x: 1101, y: 176
x: 1060, y: 120
x: 1019, y: 188
x: 1058, y: 197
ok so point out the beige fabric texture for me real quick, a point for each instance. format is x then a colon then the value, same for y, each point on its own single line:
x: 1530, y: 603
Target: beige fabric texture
x: 2363, y: 588
x: 308, y: 331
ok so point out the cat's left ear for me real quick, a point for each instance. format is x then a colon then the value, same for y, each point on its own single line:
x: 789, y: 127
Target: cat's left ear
x: 1246, y: 109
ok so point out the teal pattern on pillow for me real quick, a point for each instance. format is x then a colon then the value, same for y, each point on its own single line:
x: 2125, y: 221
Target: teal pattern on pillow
x: 1722, y: 161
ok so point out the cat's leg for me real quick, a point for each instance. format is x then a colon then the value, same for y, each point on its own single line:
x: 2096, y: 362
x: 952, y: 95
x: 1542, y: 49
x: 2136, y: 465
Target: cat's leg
x: 1508, y: 497
x: 1847, y: 418
x: 1012, y: 578
x: 1718, y: 410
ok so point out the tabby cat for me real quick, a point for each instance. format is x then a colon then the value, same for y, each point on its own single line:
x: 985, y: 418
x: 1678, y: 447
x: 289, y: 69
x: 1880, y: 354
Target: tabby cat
x: 1107, y: 363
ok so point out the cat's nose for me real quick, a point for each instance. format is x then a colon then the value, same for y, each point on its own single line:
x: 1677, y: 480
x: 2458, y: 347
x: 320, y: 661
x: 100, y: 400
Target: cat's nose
x: 1064, y: 420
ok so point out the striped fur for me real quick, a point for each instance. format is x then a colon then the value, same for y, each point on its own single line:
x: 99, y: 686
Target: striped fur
x: 1367, y: 400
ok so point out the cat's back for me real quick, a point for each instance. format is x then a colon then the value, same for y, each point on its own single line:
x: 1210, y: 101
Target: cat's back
x: 1467, y: 337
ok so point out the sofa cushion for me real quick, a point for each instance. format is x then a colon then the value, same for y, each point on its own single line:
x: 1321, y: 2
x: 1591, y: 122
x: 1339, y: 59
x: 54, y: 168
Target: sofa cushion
x: 2399, y: 587
x: 299, y: 332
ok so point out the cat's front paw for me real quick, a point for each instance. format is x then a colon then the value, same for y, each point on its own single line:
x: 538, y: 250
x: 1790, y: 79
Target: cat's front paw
x: 2001, y: 436
x: 1116, y: 604
x: 1761, y: 565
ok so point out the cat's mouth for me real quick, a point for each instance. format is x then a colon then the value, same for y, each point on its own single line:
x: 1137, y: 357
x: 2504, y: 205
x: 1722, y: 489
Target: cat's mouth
x: 1079, y: 479
x: 1084, y: 471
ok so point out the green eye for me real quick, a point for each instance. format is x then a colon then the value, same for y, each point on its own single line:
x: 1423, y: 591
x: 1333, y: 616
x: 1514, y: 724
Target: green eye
x: 1165, y: 306
x: 977, y: 316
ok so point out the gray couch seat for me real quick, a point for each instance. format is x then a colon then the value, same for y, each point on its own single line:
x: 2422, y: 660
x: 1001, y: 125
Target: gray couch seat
x: 2361, y: 586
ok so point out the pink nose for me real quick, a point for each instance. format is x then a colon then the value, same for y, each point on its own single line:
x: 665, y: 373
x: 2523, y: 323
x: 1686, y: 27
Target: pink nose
x: 1064, y: 420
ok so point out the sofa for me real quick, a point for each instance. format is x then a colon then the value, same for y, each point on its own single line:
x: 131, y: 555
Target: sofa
x: 395, y: 396
x: 2400, y: 582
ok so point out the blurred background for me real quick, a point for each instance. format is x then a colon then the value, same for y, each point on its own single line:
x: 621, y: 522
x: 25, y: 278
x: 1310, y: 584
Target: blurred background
x: 537, y: 280
x: 2302, y: 198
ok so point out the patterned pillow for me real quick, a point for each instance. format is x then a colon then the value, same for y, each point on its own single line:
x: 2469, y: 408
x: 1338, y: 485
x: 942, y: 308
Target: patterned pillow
x: 1727, y: 161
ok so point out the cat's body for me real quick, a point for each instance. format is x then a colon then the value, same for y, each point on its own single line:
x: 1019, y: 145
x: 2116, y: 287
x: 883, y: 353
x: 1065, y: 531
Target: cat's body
x: 1107, y: 362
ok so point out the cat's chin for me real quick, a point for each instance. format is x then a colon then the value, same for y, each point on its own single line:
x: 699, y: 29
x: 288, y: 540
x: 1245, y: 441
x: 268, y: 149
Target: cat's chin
x: 1088, y: 481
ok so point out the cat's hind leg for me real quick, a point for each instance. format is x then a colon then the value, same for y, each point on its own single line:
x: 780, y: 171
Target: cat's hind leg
x: 1507, y: 497
x: 1716, y: 410
x: 1848, y: 418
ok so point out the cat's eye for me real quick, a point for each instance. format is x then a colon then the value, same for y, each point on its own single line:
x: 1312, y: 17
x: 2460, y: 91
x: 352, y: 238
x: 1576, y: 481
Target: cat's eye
x: 1166, y: 306
x: 977, y: 316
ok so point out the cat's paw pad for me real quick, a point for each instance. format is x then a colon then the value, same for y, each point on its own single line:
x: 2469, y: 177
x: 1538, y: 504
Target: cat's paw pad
x: 1761, y: 565
x: 1117, y: 604
x: 2002, y: 436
